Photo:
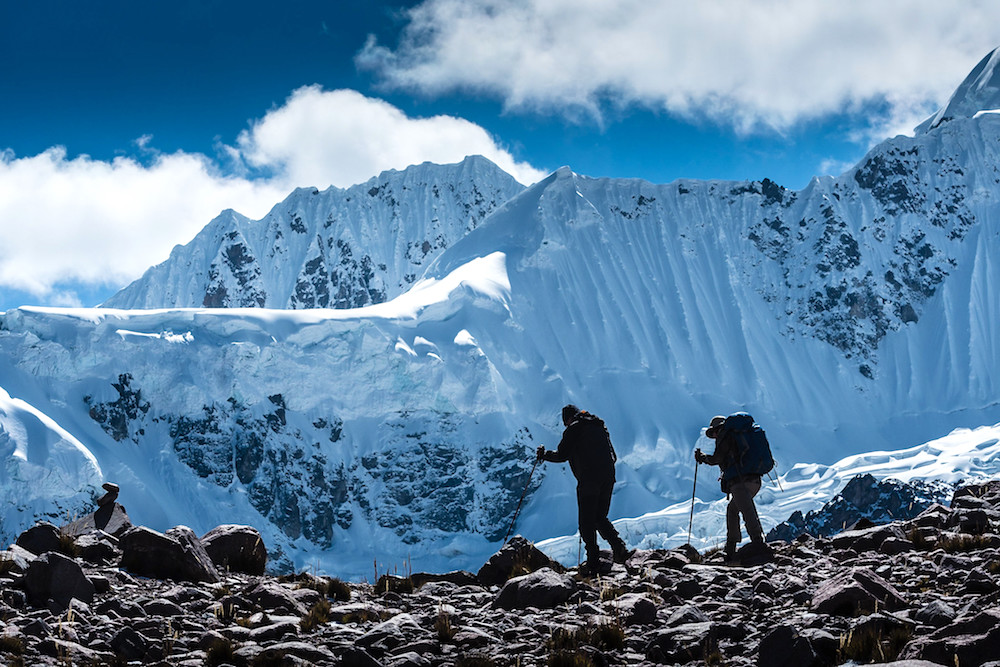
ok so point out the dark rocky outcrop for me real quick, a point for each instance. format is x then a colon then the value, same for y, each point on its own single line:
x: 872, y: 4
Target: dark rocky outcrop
x: 862, y: 503
x: 110, y: 518
x: 517, y: 557
x: 175, y: 555
x: 53, y: 576
x: 236, y: 548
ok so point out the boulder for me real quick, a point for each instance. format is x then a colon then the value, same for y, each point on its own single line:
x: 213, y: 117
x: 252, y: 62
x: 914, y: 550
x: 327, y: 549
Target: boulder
x: 110, y: 496
x: 18, y: 558
x: 785, y: 647
x: 236, y: 548
x: 53, y: 576
x: 517, y: 557
x: 98, y: 548
x: 936, y: 613
x: 968, y: 641
x: 128, y: 644
x: 111, y: 519
x: 175, y: 555
x: 988, y: 492
x: 635, y: 609
x: 858, y: 592
x: 685, y: 643
x: 543, y: 589
x: 970, y: 521
x: 274, y: 598
x: 40, y: 538
x: 456, y: 577
x: 685, y: 615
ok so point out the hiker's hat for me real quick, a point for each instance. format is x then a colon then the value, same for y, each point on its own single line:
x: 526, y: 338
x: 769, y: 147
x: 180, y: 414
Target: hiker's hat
x: 714, y: 426
x: 569, y: 412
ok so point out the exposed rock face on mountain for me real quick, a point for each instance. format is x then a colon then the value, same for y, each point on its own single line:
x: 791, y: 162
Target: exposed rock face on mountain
x: 331, y: 249
x: 864, y: 500
x: 924, y: 590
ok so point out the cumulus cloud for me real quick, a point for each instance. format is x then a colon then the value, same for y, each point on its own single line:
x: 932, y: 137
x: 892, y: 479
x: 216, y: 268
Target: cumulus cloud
x: 91, y: 222
x: 96, y: 222
x: 342, y: 137
x: 743, y: 64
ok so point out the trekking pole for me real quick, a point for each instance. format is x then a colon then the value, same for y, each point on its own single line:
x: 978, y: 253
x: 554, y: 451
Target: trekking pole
x: 523, y: 493
x: 693, y: 491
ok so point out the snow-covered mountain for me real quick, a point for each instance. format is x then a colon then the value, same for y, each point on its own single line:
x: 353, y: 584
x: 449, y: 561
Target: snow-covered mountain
x: 331, y: 249
x: 859, y: 314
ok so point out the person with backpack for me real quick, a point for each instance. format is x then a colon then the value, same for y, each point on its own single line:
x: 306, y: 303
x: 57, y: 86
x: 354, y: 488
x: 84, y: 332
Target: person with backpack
x: 743, y: 455
x: 586, y: 445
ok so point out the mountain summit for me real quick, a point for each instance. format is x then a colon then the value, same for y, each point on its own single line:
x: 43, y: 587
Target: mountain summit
x: 339, y: 248
x: 980, y: 91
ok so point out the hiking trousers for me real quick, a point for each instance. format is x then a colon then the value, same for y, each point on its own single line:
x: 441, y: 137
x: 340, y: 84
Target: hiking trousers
x: 743, y: 492
x: 594, y: 503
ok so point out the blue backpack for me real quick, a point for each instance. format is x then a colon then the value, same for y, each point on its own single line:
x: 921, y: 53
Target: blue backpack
x: 753, y: 450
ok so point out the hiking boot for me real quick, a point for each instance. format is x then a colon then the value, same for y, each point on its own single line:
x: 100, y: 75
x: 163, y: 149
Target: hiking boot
x: 593, y: 567
x: 623, y: 554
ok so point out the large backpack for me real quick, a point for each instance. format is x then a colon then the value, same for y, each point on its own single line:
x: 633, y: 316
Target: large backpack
x: 753, y: 451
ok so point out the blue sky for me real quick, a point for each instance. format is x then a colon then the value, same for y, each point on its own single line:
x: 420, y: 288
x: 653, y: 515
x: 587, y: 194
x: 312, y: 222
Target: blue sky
x: 126, y: 126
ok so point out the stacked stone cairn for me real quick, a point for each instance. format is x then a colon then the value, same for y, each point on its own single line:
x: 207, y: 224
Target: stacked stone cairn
x: 914, y: 593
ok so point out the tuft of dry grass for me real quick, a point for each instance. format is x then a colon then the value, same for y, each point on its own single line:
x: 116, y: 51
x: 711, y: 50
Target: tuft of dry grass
x: 317, y: 615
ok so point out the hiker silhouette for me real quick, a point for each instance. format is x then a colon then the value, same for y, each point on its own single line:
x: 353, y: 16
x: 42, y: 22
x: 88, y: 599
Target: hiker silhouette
x: 743, y: 455
x: 586, y: 445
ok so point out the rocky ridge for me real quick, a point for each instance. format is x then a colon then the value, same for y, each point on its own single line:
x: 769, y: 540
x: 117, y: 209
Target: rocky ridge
x: 863, y: 501
x: 923, y: 590
x: 336, y: 248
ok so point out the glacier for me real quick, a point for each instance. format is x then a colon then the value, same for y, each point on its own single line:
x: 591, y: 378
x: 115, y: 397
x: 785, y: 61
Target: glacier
x: 380, y: 408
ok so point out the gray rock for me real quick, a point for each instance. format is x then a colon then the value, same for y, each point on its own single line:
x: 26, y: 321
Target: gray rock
x: 635, y: 609
x: 129, y: 644
x: 978, y: 581
x: 685, y: 643
x: 162, y: 607
x: 98, y: 547
x: 893, y: 546
x: 53, y: 576
x: 543, y: 589
x: 274, y: 631
x: 111, y: 518
x: 236, y: 548
x: 936, y: 613
x: 313, y: 655
x: 785, y: 647
x: 356, y: 656
x: 40, y: 538
x: 858, y: 592
x: 516, y: 558
x: 686, y: 615
x: 175, y: 555
x: 276, y: 598
x: 391, y: 633
x: 971, y: 641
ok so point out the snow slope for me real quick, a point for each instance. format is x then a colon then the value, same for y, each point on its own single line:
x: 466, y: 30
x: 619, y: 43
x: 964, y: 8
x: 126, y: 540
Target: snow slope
x: 859, y: 314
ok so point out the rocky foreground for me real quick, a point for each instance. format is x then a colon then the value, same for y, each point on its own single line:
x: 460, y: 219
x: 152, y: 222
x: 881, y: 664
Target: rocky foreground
x: 100, y: 591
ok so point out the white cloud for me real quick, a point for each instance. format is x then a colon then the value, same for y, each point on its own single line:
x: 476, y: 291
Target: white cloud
x: 95, y: 222
x: 341, y: 138
x: 743, y: 64
x: 91, y: 222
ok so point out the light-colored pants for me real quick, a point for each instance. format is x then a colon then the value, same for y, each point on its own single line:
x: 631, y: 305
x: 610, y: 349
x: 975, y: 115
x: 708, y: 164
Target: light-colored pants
x: 742, y: 493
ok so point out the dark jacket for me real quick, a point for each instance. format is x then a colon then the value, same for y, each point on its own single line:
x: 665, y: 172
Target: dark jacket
x: 587, y: 446
x: 726, y: 456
